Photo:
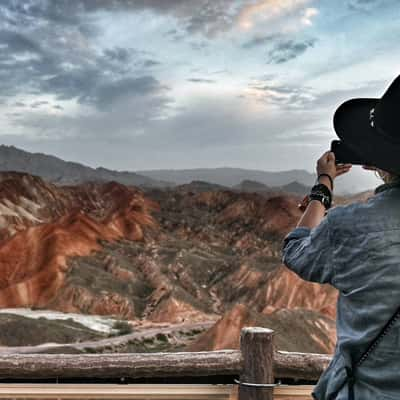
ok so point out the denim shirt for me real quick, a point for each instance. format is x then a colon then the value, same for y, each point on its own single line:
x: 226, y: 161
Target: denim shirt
x: 356, y: 249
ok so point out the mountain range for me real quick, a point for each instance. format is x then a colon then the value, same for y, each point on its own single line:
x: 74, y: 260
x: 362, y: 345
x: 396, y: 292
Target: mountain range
x: 231, y: 176
x: 60, y: 172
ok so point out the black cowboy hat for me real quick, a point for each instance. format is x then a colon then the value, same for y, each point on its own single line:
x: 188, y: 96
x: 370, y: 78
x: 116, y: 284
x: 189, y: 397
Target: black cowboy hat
x: 371, y: 128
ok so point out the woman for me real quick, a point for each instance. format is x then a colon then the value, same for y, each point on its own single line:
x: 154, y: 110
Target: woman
x: 356, y: 248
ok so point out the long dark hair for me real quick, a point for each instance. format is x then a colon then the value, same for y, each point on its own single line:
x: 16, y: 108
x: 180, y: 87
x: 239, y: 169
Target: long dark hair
x: 387, y: 177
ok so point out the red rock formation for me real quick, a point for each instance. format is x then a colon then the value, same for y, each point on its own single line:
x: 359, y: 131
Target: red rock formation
x: 173, y: 310
x: 285, y: 290
x: 253, y: 227
x: 97, y: 248
x: 295, y: 330
x: 33, y: 261
x: 276, y: 214
x: 27, y: 200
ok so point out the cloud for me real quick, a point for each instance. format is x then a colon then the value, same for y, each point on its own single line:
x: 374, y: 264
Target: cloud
x: 280, y: 48
x: 49, y: 50
x: 212, y: 131
x: 118, y: 54
x: 364, y: 5
x: 332, y: 98
x: 199, y: 46
x: 285, y: 50
x: 111, y: 92
x: 40, y: 103
x: 201, y: 80
x: 285, y: 96
x: 86, y: 58
x: 89, y: 77
x: 151, y: 63
x: 270, y: 10
x: 208, y: 17
x: 204, y: 16
x: 33, y: 13
x: 90, y: 87
x: 296, y: 97
x: 308, y: 15
x: 129, y: 117
x: 76, y: 20
x: 17, y: 42
x: 208, y: 123
x: 259, y: 41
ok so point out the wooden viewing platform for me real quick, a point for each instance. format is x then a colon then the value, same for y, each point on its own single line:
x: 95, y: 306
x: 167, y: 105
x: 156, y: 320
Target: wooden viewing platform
x: 255, y: 363
x: 139, y: 392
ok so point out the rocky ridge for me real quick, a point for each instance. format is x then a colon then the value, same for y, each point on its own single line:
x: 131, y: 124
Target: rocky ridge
x: 182, y: 255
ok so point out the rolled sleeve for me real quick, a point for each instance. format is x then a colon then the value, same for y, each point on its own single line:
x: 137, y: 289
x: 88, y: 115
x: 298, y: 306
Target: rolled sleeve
x: 308, y: 253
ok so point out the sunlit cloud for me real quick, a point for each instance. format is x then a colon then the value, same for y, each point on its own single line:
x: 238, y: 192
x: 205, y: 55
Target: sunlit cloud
x: 308, y: 15
x: 266, y: 10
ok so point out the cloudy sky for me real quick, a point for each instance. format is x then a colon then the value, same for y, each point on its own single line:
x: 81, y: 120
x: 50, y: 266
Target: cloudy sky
x: 147, y: 84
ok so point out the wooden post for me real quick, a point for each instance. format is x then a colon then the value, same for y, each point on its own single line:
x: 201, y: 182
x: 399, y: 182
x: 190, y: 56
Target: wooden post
x: 256, y: 345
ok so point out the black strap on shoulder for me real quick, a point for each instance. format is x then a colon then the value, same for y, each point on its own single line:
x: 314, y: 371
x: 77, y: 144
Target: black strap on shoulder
x: 350, y: 370
x: 350, y: 383
x: 379, y: 337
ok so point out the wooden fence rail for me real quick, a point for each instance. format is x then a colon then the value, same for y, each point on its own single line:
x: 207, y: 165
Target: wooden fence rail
x: 255, y: 363
x: 221, y: 362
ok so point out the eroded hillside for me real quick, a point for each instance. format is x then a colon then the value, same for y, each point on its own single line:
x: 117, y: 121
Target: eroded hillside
x: 182, y: 255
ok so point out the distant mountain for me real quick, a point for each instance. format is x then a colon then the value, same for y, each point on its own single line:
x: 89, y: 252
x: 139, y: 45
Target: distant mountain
x: 62, y: 172
x: 201, y: 186
x: 257, y: 187
x: 293, y: 181
x: 58, y: 171
x: 226, y: 176
x: 252, y: 186
x: 296, y: 188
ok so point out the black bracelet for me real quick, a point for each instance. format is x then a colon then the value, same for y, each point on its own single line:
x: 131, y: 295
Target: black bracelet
x: 323, y: 193
x: 324, y: 187
x: 330, y: 178
x: 321, y: 187
x: 321, y: 197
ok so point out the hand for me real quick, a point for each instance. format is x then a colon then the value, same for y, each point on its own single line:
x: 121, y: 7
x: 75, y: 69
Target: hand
x: 326, y: 165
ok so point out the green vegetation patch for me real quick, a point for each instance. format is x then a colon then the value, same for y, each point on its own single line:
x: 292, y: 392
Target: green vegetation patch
x: 17, y: 330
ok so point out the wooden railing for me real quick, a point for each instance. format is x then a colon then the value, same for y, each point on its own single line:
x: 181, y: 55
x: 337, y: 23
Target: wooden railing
x: 255, y: 363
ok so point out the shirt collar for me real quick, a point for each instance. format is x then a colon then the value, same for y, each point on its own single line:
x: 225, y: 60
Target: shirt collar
x: 385, y: 186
